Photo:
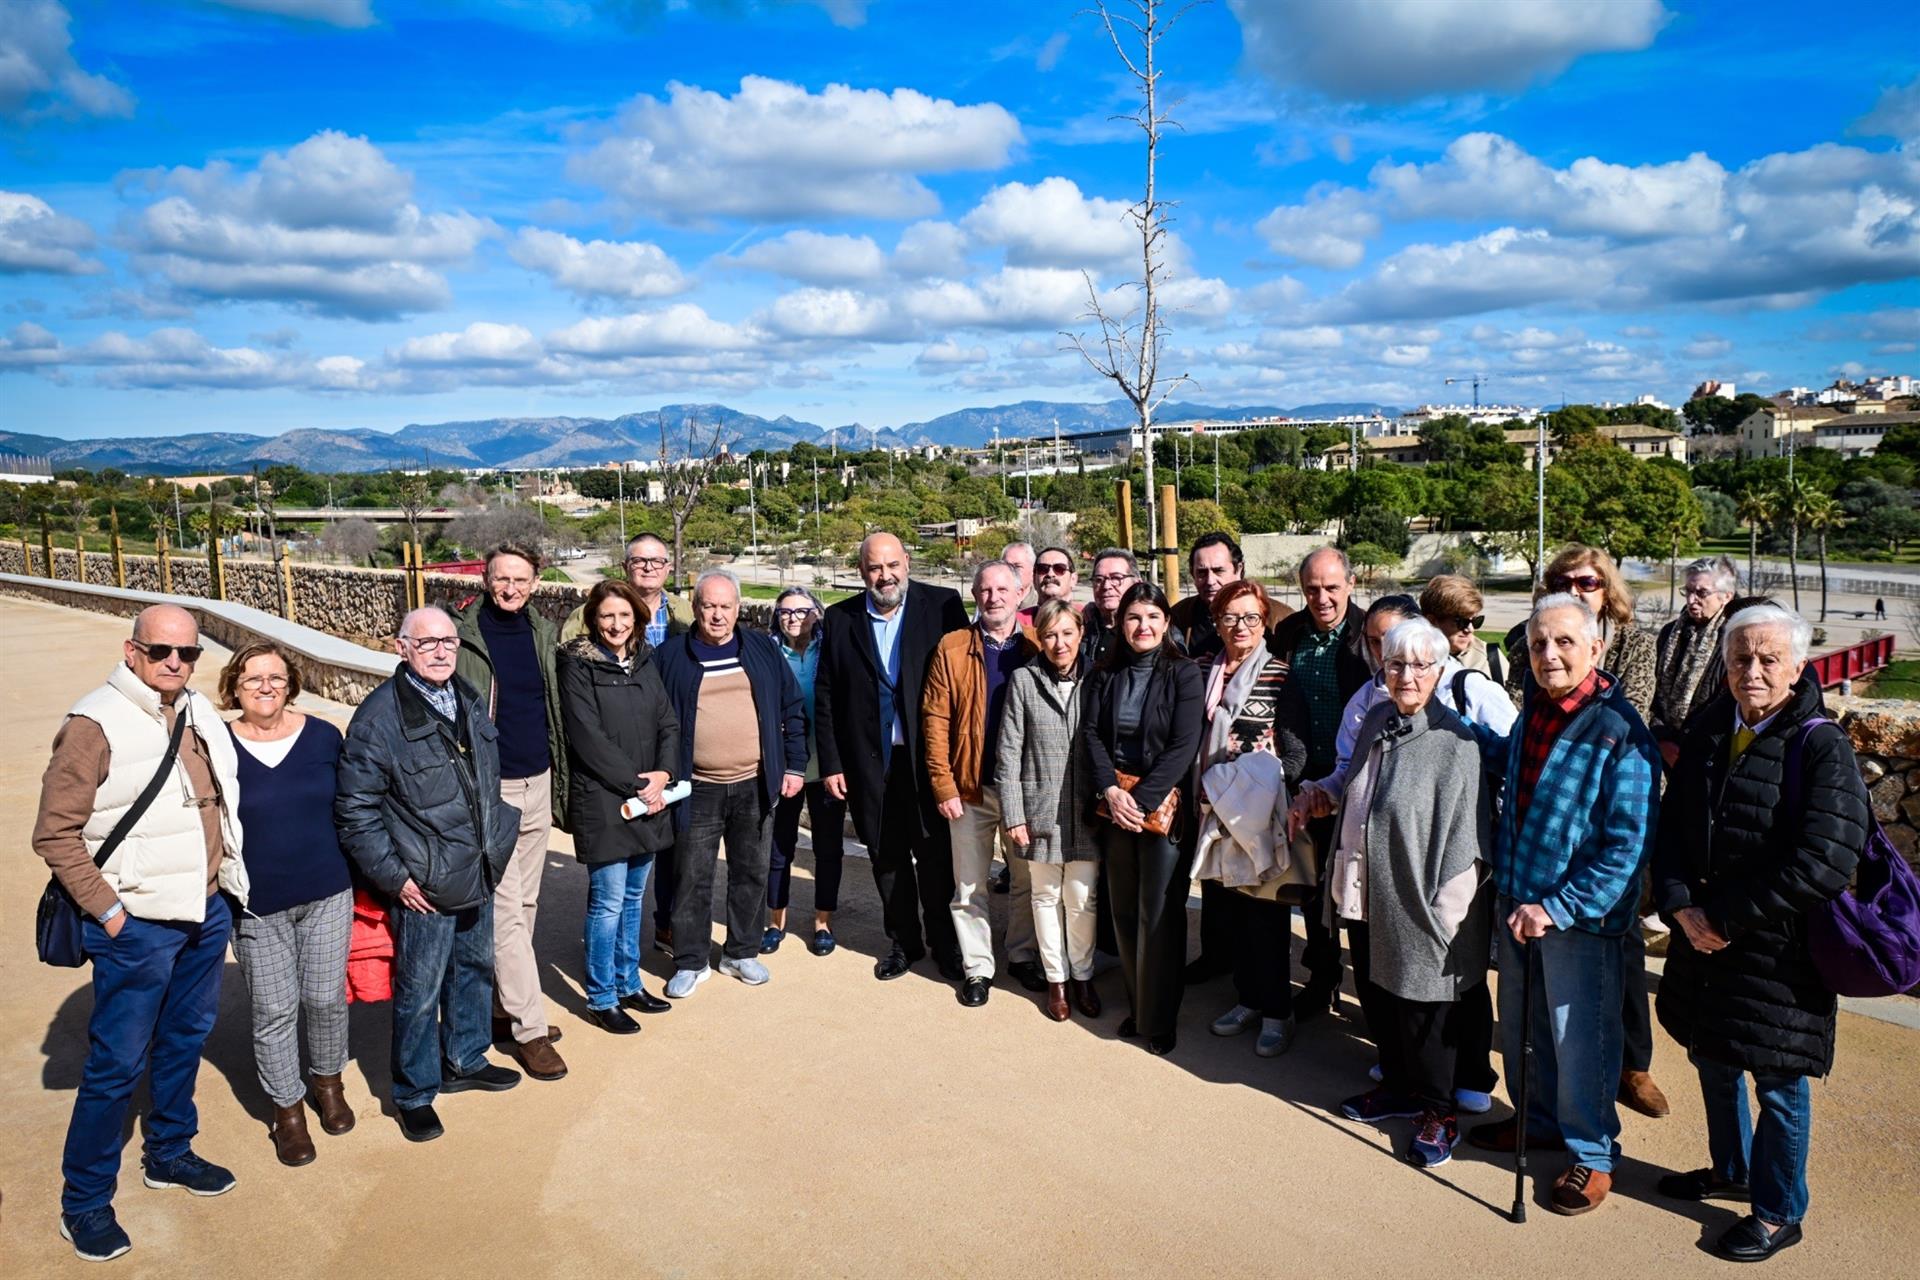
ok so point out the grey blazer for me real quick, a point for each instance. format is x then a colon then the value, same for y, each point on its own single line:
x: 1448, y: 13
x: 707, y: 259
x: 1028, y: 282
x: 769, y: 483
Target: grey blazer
x: 1044, y: 777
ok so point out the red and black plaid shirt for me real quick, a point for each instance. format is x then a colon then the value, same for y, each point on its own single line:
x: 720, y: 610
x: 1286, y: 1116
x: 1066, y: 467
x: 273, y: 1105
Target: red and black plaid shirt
x: 1545, y: 722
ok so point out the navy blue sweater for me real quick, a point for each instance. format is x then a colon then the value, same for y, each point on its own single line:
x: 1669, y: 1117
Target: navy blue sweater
x: 286, y: 812
x: 519, y: 697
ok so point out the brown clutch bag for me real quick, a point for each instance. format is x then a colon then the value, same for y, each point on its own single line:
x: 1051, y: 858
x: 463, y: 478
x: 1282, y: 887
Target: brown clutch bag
x: 1160, y: 821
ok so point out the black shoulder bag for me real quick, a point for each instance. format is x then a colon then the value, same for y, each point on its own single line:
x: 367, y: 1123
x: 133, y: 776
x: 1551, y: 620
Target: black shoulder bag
x: 57, y: 925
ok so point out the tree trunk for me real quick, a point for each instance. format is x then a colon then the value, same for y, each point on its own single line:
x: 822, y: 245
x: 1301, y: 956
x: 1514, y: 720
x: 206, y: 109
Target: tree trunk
x: 1793, y: 557
x: 1753, y: 555
x: 1823, y: 575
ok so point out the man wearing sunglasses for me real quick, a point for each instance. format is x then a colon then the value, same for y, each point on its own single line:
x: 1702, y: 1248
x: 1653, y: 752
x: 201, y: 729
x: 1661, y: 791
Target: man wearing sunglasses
x: 157, y: 936
x: 1054, y: 578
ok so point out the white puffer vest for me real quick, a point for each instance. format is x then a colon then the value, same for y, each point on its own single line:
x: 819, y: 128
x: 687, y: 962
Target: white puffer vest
x: 160, y: 869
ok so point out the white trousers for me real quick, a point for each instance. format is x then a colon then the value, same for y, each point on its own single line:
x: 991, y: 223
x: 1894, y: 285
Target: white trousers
x: 1064, y: 918
x: 976, y: 834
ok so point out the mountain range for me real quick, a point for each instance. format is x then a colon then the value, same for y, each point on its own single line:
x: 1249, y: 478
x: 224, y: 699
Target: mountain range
x: 522, y: 443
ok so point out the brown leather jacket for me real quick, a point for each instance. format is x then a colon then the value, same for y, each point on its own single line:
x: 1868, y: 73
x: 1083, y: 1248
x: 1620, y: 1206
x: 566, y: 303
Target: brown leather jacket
x: 953, y: 713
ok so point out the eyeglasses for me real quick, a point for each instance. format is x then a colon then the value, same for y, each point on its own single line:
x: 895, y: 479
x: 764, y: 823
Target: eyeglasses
x: 784, y: 614
x: 1235, y: 621
x: 1474, y: 623
x: 1699, y: 593
x: 1415, y: 669
x: 647, y: 562
x: 501, y: 580
x: 1113, y: 579
x: 189, y: 653
x: 432, y: 644
x: 1052, y: 567
x: 257, y: 683
x: 1576, y: 582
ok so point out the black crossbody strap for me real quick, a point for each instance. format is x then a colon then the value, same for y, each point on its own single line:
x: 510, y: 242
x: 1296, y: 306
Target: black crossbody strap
x: 140, y: 806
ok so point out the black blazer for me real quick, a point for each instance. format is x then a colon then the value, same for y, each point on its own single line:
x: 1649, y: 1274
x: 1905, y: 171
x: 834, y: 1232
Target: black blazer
x: 620, y: 724
x: 1171, y: 727
x: 846, y: 695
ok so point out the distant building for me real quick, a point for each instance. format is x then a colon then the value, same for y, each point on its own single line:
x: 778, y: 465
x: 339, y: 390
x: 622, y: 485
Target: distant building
x: 1411, y: 421
x: 1855, y: 435
x: 1713, y: 387
x: 1763, y: 433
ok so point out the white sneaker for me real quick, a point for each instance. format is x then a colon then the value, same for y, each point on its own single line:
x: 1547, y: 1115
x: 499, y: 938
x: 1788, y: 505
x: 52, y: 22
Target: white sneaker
x: 1235, y: 1020
x: 1276, y: 1037
x: 682, y: 983
x: 749, y: 970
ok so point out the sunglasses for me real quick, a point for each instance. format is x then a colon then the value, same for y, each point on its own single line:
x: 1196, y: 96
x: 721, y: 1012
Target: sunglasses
x: 1577, y: 582
x: 189, y: 653
x: 1474, y: 623
x: 1052, y: 567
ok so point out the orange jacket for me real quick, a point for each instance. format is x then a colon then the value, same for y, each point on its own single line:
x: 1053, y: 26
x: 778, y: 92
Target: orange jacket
x: 953, y: 712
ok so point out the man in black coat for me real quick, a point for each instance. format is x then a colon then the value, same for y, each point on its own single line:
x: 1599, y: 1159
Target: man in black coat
x: 1325, y: 648
x: 873, y: 664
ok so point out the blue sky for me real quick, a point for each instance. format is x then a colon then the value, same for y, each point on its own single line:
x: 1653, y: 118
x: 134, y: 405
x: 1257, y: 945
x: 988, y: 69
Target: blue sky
x: 252, y: 215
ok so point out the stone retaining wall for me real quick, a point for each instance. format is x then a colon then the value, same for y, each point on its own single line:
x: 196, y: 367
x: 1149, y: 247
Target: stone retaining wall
x: 1886, y: 736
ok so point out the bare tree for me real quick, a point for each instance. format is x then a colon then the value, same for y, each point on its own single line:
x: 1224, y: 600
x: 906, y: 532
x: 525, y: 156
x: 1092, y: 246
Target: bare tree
x: 519, y: 522
x: 686, y: 479
x: 1129, y: 345
x: 410, y: 495
x: 353, y: 539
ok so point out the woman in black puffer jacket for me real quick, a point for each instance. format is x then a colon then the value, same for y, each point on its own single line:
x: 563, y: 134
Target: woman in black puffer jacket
x: 624, y: 742
x: 1744, y: 854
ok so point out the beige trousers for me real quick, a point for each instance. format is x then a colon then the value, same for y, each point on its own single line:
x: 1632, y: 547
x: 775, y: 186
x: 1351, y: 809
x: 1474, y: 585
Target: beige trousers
x: 976, y: 834
x: 516, y: 973
x: 1064, y: 917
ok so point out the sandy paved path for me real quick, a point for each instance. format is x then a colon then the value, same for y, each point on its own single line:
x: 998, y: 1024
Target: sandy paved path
x: 830, y: 1124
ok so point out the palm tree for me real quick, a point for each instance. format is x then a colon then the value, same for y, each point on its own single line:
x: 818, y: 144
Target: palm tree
x: 1755, y: 506
x: 1790, y: 507
x: 1822, y: 515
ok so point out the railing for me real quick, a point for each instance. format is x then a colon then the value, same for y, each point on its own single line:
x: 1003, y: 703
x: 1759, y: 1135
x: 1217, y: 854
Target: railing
x: 1855, y: 660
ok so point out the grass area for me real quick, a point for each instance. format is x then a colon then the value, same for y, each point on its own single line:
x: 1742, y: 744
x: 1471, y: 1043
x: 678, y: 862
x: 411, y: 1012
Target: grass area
x: 763, y: 591
x: 1735, y: 549
x: 1899, y: 679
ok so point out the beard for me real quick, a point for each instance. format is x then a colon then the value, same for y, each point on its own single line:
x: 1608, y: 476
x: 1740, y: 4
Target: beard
x: 890, y: 597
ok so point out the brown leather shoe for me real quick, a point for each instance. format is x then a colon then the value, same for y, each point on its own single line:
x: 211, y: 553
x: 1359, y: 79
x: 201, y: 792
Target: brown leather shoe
x: 1639, y: 1093
x: 503, y: 1032
x: 1084, y: 997
x: 1503, y: 1136
x: 541, y: 1060
x: 1579, y: 1190
x: 330, y: 1099
x: 1057, y: 1007
x: 291, y: 1141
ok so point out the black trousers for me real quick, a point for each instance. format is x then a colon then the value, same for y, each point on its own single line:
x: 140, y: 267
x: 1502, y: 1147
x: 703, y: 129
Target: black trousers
x: 1635, y: 1016
x: 1321, y: 956
x: 737, y: 813
x: 1219, y: 923
x: 913, y: 871
x: 1261, y: 949
x: 1148, y: 876
x: 1465, y: 1026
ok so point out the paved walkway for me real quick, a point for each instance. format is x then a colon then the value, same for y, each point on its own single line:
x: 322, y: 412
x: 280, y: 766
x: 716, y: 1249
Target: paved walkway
x: 828, y: 1124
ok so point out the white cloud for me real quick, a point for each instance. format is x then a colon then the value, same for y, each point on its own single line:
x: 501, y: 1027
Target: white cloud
x: 1706, y: 346
x: 632, y: 269
x: 179, y: 359
x: 1895, y: 115
x: 676, y: 330
x: 1330, y: 229
x: 1049, y: 56
x: 774, y: 151
x: 1012, y: 298
x: 338, y: 13
x: 830, y: 313
x: 936, y: 249
x: 329, y: 225
x: 1502, y: 268
x: 480, y: 343
x: 1051, y: 224
x: 1396, y: 50
x: 39, y: 78
x: 1406, y: 355
x: 1482, y: 173
x: 816, y: 258
x: 35, y: 238
x: 1197, y: 298
x: 947, y: 355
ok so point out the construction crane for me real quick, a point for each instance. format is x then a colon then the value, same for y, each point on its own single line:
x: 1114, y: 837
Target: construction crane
x: 1476, y: 380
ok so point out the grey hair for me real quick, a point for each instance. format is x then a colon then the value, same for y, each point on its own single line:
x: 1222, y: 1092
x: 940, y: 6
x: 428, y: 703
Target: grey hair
x: 406, y: 623
x: 993, y: 564
x: 1726, y: 580
x: 1564, y: 600
x: 1799, y: 630
x: 802, y: 592
x: 1411, y: 638
x: 708, y: 576
x: 1118, y: 553
x: 1024, y: 545
x: 1346, y: 565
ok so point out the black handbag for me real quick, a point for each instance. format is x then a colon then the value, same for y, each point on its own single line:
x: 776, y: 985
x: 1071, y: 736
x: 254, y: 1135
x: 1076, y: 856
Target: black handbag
x: 58, y: 926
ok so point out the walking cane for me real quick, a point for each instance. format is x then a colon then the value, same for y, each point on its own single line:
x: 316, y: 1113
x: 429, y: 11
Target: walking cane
x: 1520, y: 1088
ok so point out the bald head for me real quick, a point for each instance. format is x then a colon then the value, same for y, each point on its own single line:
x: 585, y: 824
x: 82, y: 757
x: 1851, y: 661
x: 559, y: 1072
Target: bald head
x: 163, y: 617
x: 430, y: 644
x: 884, y: 566
x: 164, y: 646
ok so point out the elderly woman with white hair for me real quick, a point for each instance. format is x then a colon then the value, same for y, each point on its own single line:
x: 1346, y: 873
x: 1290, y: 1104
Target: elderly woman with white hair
x: 1764, y: 821
x: 1407, y: 878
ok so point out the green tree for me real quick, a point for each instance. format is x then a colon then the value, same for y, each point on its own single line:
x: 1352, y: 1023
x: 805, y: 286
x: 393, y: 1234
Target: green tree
x: 1789, y: 507
x: 1197, y: 516
x: 601, y: 483
x: 1370, y: 559
x: 1374, y: 526
x: 1822, y: 515
x: 1754, y: 507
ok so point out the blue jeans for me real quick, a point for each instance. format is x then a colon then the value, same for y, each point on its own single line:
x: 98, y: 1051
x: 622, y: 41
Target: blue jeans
x: 616, y: 892
x: 1578, y: 1040
x: 1771, y: 1159
x: 442, y: 998
x: 156, y: 989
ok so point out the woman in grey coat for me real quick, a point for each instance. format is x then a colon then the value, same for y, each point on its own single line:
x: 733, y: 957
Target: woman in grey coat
x: 1407, y: 877
x: 1045, y: 791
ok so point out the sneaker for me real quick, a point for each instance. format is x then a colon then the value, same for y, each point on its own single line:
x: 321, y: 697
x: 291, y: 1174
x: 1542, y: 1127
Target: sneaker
x: 187, y: 1170
x: 1472, y: 1101
x: 682, y: 983
x: 749, y: 970
x: 487, y: 1078
x: 95, y: 1235
x: 1276, y: 1037
x: 1376, y: 1105
x: 770, y: 940
x: 1235, y: 1020
x: 1434, y: 1140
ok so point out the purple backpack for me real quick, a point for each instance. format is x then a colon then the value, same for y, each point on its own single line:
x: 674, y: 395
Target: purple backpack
x: 1866, y: 941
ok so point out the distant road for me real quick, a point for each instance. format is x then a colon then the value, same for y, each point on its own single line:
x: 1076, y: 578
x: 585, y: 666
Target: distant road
x: 379, y: 515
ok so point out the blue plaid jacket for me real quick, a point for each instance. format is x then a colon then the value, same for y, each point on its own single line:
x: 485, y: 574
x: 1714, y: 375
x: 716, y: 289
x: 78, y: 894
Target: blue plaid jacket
x: 1588, y: 830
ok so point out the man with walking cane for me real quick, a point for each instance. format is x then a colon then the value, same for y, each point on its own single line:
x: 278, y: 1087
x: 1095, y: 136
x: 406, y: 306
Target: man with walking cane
x: 1581, y: 772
